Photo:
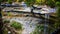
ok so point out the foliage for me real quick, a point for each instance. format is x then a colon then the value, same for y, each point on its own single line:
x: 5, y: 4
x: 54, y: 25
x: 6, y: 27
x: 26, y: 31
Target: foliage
x: 53, y: 3
x: 57, y: 0
x: 40, y: 1
x: 57, y: 24
x: 58, y: 4
x: 16, y: 25
x: 9, y: 1
x: 20, y: 0
x: 58, y: 12
x: 50, y: 3
x: 9, y: 14
x: 29, y: 2
x: 1, y: 1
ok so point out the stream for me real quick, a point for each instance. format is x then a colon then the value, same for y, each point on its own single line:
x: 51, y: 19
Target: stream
x: 29, y: 23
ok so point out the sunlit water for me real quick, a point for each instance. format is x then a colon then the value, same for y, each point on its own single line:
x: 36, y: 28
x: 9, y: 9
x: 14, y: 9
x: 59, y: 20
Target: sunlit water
x: 29, y: 23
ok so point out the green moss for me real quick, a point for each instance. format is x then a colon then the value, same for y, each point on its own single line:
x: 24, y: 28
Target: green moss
x: 9, y: 13
x: 16, y: 25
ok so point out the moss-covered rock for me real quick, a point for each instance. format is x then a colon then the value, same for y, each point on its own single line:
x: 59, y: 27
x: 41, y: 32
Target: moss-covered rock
x: 16, y: 25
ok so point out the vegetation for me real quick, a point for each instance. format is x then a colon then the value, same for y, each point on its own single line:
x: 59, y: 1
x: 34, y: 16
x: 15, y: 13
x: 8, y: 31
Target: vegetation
x: 39, y: 29
x: 6, y: 21
x: 29, y: 2
x: 51, y: 3
x: 40, y: 2
x: 5, y: 31
x: 16, y: 25
x: 0, y: 0
x: 9, y: 13
x: 9, y: 1
x: 57, y: 24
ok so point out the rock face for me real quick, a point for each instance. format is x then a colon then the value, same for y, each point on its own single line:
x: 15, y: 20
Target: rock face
x: 29, y: 23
